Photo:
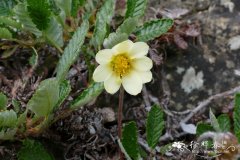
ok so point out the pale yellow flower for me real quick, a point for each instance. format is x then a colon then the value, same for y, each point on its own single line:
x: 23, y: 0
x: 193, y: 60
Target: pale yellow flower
x: 125, y: 64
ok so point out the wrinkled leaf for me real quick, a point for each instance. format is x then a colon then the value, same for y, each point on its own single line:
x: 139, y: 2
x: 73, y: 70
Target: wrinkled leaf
x: 155, y: 125
x: 135, y: 8
x: 8, y: 118
x: 72, y: 51
x: 5, y: 33
x: 6, y: 7
x: 8, y: 134
x: 114, y: 38
x: 40, y: 13
x: 54, y: 33
x: 92, y: 92
x: 33, y: 150
x: 129, y: 140
x: 153, y: 29
x: 45, y: 98
x: 64, y: 90
x: 22, y: 15
x: 9, y: 22
x: 214, y: 121
x: 3, y: 101
x: 33, y: 61
x: 203, y: 127
x: 128, y: 26
x: 236, y: 116
x: 103, y: 18
x: 224, y: 122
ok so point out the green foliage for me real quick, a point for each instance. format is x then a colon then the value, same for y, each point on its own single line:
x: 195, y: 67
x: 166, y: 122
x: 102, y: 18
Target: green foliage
x: 214, y: 121
x: 5, y: 33
x: 129, y: 140
x: 122, y: 33
x: 153, y: 29
x: 236, y: 116
x: 128, y: 26
x: 6, y: 7
x: 9, y: 22
x: 33, y: 150
x: 104, y: 17
x: 22, y: 15
x: 65, y: 5
x: 39, y: 12
x: 54, y: 33
x: 8, y: 134
x: 33, y: 61
x: 64, y: 90
x: 114, y: 38
x: 155, y: 125
x: 3, y: 101
x: 45, y: 98
x: 72, y: 51
x: 203, y: 127
x: 92, y: 92
x: 224, y: 122
x: 8, y: 118
x: 75, y: 7
x: 135, y: 8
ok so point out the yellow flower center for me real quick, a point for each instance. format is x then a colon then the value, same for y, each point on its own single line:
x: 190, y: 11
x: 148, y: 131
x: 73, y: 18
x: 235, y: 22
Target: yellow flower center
x: 121, y: 64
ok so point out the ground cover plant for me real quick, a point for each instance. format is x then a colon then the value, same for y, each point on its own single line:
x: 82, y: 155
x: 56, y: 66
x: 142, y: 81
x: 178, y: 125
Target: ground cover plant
x: 70, y: 69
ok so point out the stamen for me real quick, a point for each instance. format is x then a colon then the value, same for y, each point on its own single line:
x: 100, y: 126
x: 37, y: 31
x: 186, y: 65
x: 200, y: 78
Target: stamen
x: 121, y: 64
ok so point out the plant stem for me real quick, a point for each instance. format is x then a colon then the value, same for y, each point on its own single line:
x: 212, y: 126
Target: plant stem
x: 120, y: 109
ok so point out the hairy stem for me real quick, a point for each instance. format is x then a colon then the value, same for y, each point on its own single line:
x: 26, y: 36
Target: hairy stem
x: 120, y: 108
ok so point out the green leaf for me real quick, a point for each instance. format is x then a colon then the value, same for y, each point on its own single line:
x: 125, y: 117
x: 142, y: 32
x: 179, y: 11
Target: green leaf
x: 72, y: 51
x: 64, y: 90
x: 104, y: 17
x: 153, y: 29
x: 8, y: 134
x: 75, y: 7
x: 8, y: 118
x: 54, y: 33
x: 39, y: 12
x: 22, y: 15
x: 166, y: 148
x: 65, y: 5
x: 236, y: 116
x: 128, y: 26
x: 16, y: 104
x: 5, y: 33
x: 33, y: 150
x: 135, y: 8
x: 45, y: 98
x: 155, y: 125
x: 88, y: 95
x: 203, y: 127
x: 3, y: 101
x: 129, y: 140
x: 113, y: 39
x: 224, y: 122
x: 214, y: 121
x: 10, y: 22
x: 33, y: 61
x: 6, y: 7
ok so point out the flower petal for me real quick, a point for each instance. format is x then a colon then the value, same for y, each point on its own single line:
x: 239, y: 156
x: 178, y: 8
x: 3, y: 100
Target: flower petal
x: 123, y: 47
x: 142, y: 64
x: 139, y: 49
x: 104, y: 56
x: 112, y: 84
x: 132, y: 83
x: 101, y: 73
x: 145, y: 76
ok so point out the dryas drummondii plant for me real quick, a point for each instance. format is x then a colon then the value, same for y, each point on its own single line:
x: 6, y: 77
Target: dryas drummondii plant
x: 57, y: 22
